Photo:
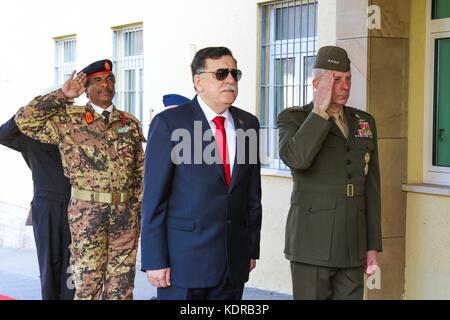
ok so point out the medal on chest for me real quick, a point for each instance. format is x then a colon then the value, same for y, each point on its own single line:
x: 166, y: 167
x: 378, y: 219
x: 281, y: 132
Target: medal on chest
x: 125, y: 128
x: 363, y: 129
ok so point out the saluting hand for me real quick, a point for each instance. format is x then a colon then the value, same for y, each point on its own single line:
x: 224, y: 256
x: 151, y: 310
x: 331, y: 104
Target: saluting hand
x: 323, y: 92
x: 74, y: 87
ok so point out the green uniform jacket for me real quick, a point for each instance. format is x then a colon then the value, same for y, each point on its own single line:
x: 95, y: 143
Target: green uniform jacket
x: 326, y: 225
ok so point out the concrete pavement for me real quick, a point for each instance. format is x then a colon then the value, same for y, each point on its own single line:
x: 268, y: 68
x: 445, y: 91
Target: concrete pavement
x: 19, y: 278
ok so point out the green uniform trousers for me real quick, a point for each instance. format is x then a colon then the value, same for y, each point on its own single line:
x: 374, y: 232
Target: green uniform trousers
x: 311, y: 282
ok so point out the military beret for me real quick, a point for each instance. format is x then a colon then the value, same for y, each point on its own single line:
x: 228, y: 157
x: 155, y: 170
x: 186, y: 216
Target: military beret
x: 98, y: 67
x: 174, y: 100
x: 332, y: 58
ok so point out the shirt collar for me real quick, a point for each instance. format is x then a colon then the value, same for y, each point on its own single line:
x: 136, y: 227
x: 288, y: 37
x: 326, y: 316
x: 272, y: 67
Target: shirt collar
x: 99, y: 110
x: 338, y: 114
x: 210, y: 114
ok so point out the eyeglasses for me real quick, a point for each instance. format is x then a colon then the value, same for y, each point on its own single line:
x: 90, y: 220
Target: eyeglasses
x: 222, y: 74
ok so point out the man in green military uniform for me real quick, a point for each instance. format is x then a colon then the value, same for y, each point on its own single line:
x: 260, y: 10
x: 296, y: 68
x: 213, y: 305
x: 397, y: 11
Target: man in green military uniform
x: 101, y: 151
x: 333, y: 230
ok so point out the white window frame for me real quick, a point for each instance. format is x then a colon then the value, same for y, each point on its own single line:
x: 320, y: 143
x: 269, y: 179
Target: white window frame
x: 435, y: 29
x: 124, y: 63
x: 298, y: 49
x: 63, y: 69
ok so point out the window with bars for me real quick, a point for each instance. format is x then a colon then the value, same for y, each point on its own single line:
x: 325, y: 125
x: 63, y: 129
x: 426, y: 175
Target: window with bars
x: 65, y: 58
x: 129, y: 65
x: 288, y: 49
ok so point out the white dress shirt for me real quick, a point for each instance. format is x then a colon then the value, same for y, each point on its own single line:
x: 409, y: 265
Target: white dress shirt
x: 229, y: 128
x: 99, y: 110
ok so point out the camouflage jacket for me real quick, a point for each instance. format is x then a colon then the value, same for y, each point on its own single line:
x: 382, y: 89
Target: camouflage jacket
x: 95, y: 156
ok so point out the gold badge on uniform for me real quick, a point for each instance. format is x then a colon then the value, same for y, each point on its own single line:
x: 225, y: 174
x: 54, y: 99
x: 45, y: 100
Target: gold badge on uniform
x: 366, y: 160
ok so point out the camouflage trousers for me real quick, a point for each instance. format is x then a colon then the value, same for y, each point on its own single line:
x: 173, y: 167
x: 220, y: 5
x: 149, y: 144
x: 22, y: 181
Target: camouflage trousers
x: 103, y: 250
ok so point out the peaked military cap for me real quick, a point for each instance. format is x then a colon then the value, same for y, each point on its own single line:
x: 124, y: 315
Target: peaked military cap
x: 332, y: 58
x: 174, y: 100
x: 98, y: 68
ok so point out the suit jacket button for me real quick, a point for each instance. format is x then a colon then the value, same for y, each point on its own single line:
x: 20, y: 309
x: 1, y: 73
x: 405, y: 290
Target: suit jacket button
x: 349, y: 162
x: 349, y: 176
x: 348, y: 149
x: 228, y: 221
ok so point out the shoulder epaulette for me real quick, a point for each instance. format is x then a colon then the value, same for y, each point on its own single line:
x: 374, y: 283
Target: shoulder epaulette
x: 293, y: 109
x: 359, y: 111
x: 72, y: 109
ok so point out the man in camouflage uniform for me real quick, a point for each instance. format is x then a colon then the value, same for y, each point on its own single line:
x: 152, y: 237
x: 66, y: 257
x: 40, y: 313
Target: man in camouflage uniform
x: 103, y: 157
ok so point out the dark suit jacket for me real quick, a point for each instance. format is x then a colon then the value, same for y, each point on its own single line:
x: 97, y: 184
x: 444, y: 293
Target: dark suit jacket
x: 191, y: 221
x: 325, y: 226
x: 43, y: 160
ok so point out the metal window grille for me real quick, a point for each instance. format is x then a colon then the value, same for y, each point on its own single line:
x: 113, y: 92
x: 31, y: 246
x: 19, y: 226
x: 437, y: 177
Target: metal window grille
x: 288, y: 49
x: 129, y: 65
x: 65, y: 59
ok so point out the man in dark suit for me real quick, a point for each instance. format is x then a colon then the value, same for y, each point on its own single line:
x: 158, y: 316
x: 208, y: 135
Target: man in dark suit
x: 48, y: 209
x: 201, y: 211
x: 334, y: 225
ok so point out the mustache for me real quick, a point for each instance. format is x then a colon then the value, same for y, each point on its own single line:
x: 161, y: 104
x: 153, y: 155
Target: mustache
x: 105, y: 91
x: 230, y: 87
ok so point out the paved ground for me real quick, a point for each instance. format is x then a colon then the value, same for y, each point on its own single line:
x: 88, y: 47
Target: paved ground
x: 19, y: 278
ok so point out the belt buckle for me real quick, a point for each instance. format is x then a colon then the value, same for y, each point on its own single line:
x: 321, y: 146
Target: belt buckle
x: 350, y: 190
x: 115, y: 198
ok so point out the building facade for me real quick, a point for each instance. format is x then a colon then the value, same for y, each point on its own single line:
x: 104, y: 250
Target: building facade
x: 398, y: 49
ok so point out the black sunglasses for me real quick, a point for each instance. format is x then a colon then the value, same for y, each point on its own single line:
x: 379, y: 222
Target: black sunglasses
x: 222, y: 74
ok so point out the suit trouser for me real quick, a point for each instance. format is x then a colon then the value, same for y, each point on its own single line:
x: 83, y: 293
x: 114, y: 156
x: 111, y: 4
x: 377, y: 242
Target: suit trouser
x: 311, y: 282
x: 224, y: 290
x: 104, y: 245
x: 52, y: 237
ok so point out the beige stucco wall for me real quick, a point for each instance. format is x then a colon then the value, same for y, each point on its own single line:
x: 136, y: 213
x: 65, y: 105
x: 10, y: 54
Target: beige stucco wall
x: 427, y: 272
x: 326, y: 27
x: 273, y: 270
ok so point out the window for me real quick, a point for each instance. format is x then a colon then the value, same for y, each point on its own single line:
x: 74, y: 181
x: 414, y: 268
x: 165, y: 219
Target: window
x: 441, y: 9
x: 437, y: 106
x: 129, y: 65
x: 65, y: 58
x: 441, y: 149
x: 288, y: 48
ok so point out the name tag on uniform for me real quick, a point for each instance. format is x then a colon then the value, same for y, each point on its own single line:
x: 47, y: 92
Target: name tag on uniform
x: 124, y: 129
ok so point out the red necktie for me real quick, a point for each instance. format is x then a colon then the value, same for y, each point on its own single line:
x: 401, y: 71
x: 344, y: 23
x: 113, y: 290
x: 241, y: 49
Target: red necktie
x: 221, y: 140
